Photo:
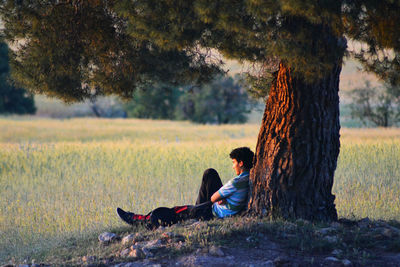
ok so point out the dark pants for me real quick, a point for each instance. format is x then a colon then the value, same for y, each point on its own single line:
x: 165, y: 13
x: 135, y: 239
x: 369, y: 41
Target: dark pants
x: 210, y: 184
x: 202, y: 210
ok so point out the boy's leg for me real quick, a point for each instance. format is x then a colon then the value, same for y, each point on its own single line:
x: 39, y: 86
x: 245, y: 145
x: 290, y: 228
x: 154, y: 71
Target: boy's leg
x: 159, y: 216
x: 167, y: 216
x: 210, y: 184
x: 132, y: 218
x: 201, y: 211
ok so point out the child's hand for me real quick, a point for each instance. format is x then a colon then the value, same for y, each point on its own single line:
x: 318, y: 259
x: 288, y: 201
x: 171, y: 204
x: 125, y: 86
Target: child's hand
x: 222, y: 202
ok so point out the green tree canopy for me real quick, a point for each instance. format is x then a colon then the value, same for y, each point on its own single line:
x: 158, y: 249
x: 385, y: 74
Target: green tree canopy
x: 79, y: 49
x: 75, y: 49
x: 306, y: 35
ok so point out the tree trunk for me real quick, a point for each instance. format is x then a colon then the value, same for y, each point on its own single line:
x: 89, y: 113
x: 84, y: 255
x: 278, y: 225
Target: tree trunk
x: 297, y: 149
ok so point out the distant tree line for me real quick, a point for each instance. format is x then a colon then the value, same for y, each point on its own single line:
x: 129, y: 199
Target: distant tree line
x: 223, y: 100
x: 379, y: 106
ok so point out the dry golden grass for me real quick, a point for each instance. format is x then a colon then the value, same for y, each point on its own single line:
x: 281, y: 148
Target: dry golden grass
x: 63, y: 178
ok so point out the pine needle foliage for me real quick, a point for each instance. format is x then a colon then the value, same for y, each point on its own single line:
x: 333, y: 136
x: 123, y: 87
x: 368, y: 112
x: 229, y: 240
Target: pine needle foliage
x: 79, y: 49
x: 75, y: 49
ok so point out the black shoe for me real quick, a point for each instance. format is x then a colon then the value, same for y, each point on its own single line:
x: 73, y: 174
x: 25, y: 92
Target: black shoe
x: 126, y: 216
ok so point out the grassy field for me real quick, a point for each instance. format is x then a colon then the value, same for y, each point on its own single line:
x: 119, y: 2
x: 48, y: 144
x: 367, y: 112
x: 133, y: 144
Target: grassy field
x: 63, y: 178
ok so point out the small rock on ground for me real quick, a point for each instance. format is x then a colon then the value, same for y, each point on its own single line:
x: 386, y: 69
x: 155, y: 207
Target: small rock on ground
x: 125, y: 252
x: 147, y: 253
x: 346, y: 262
x: 128, y: 239
x: 388, y: 232
x: 327, y: 230
x: 281, y: 260
x: 336, y: 252
x: 364, y: 223
x: 331, y: 238
x: 331, y: 259
x: 106, y: 237
x: 137, y: 253
x: 153, y: 244
x: 268, y: 264
x: 216, y: 251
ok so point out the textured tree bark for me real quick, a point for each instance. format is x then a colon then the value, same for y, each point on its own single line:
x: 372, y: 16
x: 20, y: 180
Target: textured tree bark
x: 297, y: 149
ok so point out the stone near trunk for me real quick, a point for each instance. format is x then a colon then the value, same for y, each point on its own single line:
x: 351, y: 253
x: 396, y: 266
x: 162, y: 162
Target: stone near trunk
x: 106, y: 238
x: 331, y: 259
x: 147, y: 253
x: 137, y: 253
x: 290, y: 226
x: 331, y: 238
x: 336, y: 252
x: 216, y: 251
x: 128, y: 239
x: 335, y: 225
x: 364, y: 223
x: 268, y: 264
x: 394, y: 229
x: 153, y: 244
x: 388, y: 232
x: 134, y: 247
x: 250, y: 239
x: 125, y: 252
x: 327, y: 230
x: 281, y: 261
x: 346, y: 262
x: 138, y: 237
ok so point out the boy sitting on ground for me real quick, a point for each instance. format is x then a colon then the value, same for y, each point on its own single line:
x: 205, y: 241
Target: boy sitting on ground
x: 214, y: 200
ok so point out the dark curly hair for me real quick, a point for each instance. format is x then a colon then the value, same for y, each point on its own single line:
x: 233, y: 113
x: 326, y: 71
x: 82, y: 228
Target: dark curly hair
x: 243, y: 154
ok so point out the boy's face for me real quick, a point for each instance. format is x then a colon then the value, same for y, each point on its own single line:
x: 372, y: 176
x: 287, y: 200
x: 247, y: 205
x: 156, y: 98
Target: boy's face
x: 237, y: 166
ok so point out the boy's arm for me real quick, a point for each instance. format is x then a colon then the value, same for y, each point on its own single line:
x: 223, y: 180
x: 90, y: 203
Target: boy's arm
x: 216, y: 197
x: 227, y: 190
